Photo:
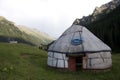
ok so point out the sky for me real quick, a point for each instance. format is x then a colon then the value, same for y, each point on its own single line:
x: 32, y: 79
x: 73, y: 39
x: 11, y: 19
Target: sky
x: 50, y: 16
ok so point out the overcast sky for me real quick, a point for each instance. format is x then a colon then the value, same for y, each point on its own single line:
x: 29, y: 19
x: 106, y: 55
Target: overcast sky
x: 50, y: 16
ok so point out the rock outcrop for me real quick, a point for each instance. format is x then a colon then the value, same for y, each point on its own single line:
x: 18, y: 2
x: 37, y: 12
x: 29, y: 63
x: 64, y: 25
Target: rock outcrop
x: 99, y: 12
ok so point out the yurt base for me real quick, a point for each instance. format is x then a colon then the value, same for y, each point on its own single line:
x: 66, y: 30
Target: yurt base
x: 80, y: 63
x: 59, y: 69
x: 81, y: 69
x: 98, y: 70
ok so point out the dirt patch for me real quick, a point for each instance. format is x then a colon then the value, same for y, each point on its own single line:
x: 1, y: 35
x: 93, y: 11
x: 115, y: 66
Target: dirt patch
x: 25, y: 55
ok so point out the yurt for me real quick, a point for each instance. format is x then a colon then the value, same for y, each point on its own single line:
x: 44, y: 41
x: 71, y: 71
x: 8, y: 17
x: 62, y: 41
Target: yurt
x: 78, y: 48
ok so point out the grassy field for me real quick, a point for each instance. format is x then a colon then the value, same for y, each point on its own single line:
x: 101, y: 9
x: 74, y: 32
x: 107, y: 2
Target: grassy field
x: 24, y: 62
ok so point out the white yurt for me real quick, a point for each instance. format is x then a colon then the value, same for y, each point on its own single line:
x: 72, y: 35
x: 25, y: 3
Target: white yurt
x: 78, y: 48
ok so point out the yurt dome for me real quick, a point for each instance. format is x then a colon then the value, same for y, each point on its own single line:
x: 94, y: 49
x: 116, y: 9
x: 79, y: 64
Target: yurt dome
x: 78, y: 46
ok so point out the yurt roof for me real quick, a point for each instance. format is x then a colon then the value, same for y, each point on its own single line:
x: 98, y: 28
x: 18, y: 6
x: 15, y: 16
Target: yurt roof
x: 78, y: 39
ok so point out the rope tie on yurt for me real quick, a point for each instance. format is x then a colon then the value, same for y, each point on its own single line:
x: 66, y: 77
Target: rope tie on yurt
x: 90, y: 62
x: 78, y: 40
x: 101, y: 57
x: 80, y: 33
x: 70, y: 45
x: 56, y: 61
x: 73, y: 38
x: 83, y: 45
x: 63, y: 60
x: 52, y: 57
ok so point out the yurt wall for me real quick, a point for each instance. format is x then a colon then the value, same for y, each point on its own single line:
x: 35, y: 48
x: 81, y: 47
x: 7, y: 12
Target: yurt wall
x: 100, y: 60
x: 58, y: 60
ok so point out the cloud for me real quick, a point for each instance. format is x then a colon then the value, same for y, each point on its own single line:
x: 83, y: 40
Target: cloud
x: 50, y: 16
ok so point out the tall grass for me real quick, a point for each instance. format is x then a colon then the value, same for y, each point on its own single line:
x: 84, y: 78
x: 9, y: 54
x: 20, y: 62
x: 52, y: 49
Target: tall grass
x: 24, y: 62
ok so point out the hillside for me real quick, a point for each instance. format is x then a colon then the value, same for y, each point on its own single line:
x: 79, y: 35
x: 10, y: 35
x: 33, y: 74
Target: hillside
x: 11, y: 32
x: 25, y: 62
x: 104, y: 22
x: 45, y: 38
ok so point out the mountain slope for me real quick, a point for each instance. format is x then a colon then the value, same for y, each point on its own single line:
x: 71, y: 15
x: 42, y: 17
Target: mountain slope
x: 45, y: 38
x: 105, y: 24
x: 9, y: 31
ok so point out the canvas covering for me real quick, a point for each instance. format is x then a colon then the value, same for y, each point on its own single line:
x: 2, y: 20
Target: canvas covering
x: 90, y: 42
x: 57, y: 60
x: 97, y: 53
x: 99, y: 60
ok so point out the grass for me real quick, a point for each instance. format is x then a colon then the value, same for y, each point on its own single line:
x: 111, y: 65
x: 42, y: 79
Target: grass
x: 24, y: 62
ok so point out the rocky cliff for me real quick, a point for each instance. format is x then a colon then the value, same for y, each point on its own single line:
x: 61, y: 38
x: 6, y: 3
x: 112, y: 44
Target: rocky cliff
x: 104, y: 22
x: 99, y: 12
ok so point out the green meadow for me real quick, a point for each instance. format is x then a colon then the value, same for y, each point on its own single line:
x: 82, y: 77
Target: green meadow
x: 25, y: 62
